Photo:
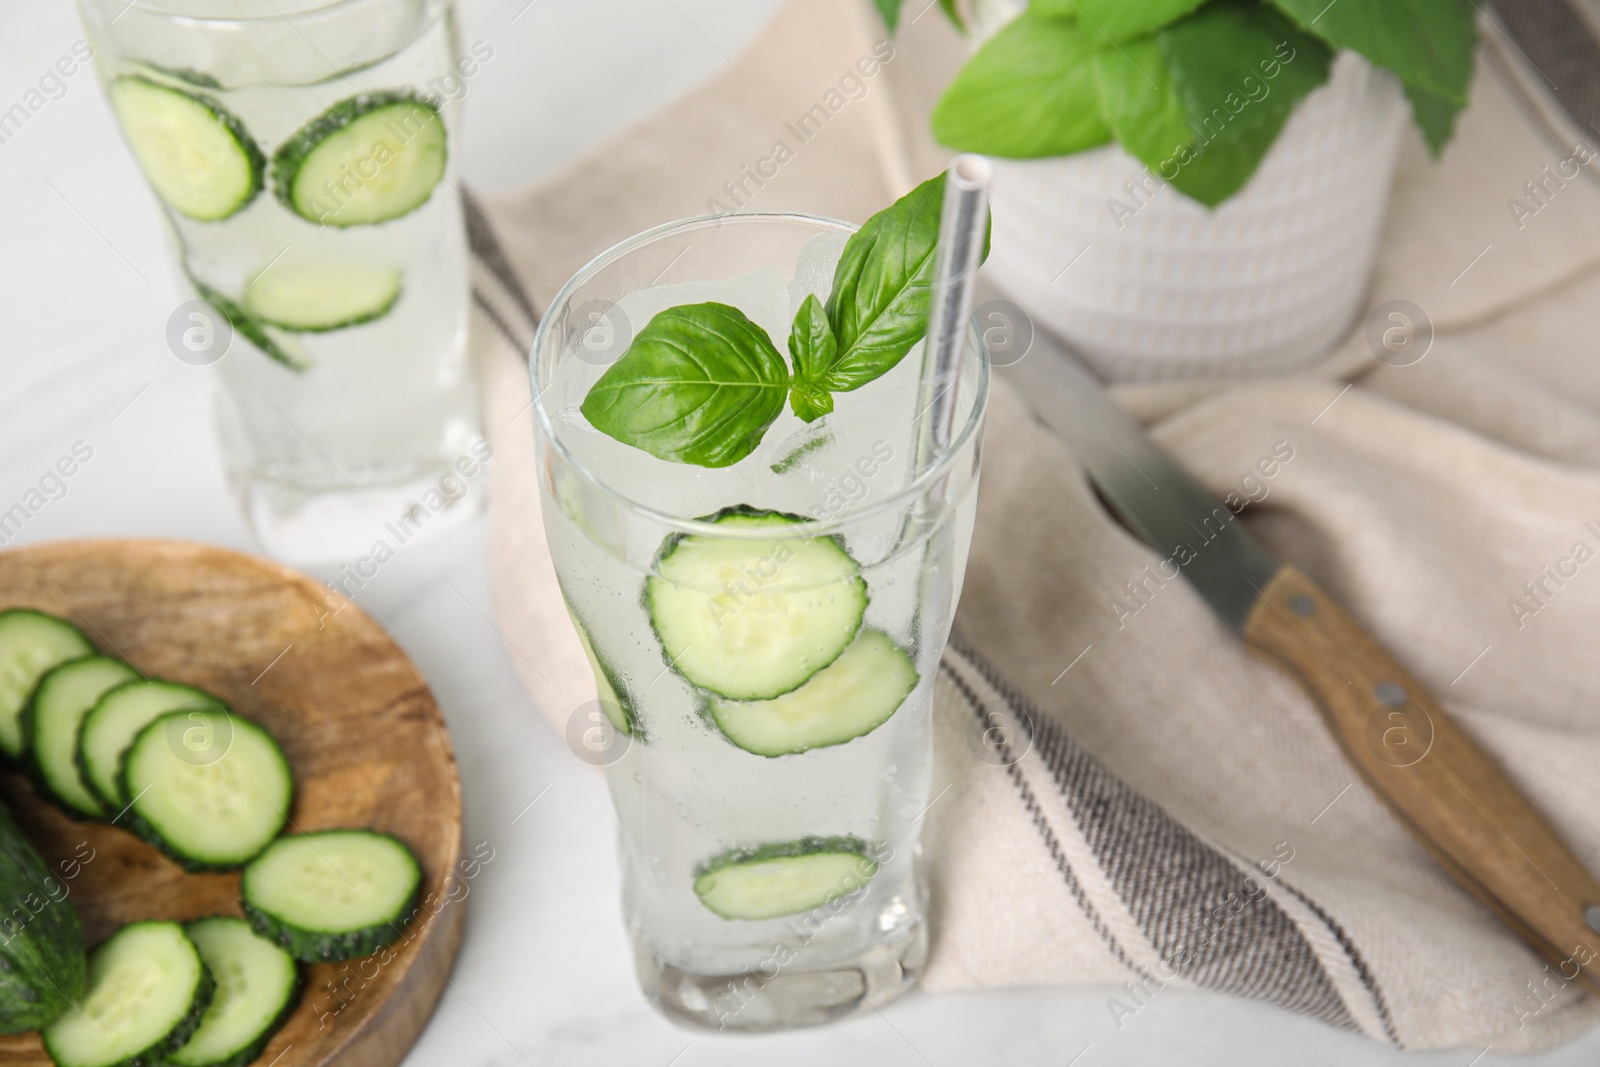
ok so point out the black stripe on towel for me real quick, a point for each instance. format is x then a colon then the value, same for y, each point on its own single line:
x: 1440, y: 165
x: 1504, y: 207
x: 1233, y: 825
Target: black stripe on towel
x: 1183, y: 893
x: 1036, y: 815
x: 486, y: 248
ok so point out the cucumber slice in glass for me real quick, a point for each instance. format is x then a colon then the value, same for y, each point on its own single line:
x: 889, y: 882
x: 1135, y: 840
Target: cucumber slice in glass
x: 279, y: 350
x: 365, y: 160
x: 257, y: 986
x: 609, y: 686
x: 784, y: 878
x: 114, y: 722
x: 31, y: 642
x: 51, y: 721
x: 754, y: 619
x: 208, y: 788
x: 199, y: 158
x: 852, y: 696
x: 147, y: 992
x: 315, y: 297
x: 332, y: 895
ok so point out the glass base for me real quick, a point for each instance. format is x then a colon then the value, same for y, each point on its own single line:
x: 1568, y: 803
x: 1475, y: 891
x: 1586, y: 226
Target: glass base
x: 367, y: 525
x: 756, y: 1000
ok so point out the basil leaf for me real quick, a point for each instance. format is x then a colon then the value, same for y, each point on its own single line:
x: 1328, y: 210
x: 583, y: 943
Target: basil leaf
x: 890, y: 10
x: 1141, y: 101
x: 1028, y: 92
x: 1435, y: 117
x: 1055, y: 9
x: 1429, y: 43
x: 810, y: 402
x: 952, y: 13
x: 1240, y: 69
x: 700, y: 384
x: 813, y: 349
x: 1123, y: 20
x: 879, y: 305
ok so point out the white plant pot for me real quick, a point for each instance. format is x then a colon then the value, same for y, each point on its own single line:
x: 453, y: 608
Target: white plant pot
x: 1147, y: 284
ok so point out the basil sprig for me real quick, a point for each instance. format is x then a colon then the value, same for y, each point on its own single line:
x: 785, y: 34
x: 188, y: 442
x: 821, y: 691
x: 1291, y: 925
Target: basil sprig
x: 701, y: 383
x: 1197, y: 90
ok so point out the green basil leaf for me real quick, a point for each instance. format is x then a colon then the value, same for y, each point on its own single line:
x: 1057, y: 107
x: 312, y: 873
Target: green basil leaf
x: 890, y: 10
x: 1140, y: 99
x: 952, y: 13
x: 813, y: 349
x: 1435, y: 117
x: 879, y: 305
x: 700, y: 384
x: 1429, y: 43
x: 1054, y: 9
x: 810, y: 402
x: 1028, y: 92
x: 1123, y: 20
x: 812, y: 346
x: 1240, y: 69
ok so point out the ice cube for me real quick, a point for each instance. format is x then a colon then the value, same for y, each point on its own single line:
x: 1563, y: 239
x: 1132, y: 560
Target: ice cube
x: 814, y: 267
x: 761, y: 294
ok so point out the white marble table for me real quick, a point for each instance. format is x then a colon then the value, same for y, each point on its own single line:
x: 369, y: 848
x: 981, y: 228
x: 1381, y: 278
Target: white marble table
x: 544, y: 976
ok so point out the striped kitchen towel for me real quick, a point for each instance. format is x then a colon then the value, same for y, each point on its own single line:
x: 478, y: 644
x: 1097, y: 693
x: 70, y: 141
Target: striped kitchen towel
x: 1123, y: 796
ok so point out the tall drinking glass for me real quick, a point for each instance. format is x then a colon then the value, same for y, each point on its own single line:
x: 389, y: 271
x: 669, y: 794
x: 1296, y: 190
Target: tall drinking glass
x: 768, y: 803
x: 302, y: 153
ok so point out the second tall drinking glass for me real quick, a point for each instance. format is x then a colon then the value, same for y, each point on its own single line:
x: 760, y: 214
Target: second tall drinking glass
x: 769, y: 799
x: 303, y: 152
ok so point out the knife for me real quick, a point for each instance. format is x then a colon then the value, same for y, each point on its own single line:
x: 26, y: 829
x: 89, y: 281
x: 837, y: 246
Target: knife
x: 1447, y: 791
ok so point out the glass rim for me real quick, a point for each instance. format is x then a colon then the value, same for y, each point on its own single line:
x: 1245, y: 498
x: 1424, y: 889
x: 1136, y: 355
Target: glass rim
x: 328, y: 8
x: 811, y: 527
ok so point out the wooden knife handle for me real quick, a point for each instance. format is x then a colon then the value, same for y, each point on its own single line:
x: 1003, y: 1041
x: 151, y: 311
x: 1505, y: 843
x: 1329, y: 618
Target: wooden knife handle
x: 1447, y: 791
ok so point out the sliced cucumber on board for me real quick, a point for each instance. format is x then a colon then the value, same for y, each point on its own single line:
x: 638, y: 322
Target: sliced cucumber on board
x: 64, y: 695
x: 365, y: 160
x: 198, y: 157
x: 208, y: 788
x: 257, y: 986
x: 784, y: 878
x: 610, y: 687
x: 852, y: 696
x: 752, y: 619
x: 116, y: 720
x: 315, y: 297
x: 147, y: 992
x: 332, y: 895
x: 31, y: 642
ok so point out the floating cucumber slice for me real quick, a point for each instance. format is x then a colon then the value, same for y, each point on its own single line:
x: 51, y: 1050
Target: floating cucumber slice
x: 754, y: 619
x: 314, y: 297
x: 31, y: 642
x: 197, y: 156
x: 365, y: 160
x: 208, y: 788
x: 257, y: 985
x: 784, y: 878
x: 333, y: 895
x: 852, y: 696
x: 117, y: 718
x: 280, y: 349
x: 609, y: 686
x: 147, y: 991
x: 51, y: 721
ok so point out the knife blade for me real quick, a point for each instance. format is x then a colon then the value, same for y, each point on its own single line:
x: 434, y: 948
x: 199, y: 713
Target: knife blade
x: 1446, y: 790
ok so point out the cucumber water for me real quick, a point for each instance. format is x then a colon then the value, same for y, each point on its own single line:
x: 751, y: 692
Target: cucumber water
x: 776, y: 626
x: 305, y: 171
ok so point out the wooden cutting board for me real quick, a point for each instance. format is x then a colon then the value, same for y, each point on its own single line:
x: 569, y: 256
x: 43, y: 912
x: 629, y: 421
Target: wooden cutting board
x: 361, y: 730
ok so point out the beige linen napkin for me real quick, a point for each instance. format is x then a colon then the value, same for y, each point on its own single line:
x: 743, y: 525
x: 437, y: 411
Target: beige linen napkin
x: 1168, y: 811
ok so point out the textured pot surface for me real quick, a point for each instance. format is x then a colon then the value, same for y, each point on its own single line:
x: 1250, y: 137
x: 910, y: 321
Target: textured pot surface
x: 1148, y: 284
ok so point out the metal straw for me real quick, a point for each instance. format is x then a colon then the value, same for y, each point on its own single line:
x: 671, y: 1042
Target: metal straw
x: 962, y: 226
